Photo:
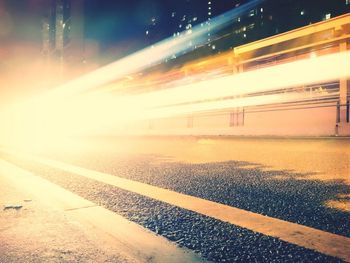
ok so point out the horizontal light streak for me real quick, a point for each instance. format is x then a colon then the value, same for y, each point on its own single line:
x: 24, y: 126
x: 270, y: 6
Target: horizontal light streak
x: 298, y: 73
x: 228, y: 104
x: 149, y: 56
x: 46, y: 121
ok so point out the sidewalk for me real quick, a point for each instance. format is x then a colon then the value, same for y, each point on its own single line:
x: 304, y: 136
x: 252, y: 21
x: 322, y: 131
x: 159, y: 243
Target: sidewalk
x: 51, y: 224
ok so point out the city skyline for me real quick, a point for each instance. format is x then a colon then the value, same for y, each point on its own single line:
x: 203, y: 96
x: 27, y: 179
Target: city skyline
x: 141, y: 23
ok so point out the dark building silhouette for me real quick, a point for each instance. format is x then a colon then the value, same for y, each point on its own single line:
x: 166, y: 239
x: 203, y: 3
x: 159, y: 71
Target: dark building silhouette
x: 63, y: 30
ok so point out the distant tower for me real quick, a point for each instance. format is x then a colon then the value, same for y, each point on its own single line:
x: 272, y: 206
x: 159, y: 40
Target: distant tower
x: 46, y: 38
x: 63, y: 31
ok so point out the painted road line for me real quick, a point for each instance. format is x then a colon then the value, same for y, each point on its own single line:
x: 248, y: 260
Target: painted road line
x: 307, y: 237
x: 136, y: 242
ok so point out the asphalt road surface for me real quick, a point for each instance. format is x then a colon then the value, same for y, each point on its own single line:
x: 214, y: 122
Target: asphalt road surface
x: 301, y: 181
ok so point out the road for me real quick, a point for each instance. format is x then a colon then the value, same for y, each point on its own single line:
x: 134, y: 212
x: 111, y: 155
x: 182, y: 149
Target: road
x: 226, y: 199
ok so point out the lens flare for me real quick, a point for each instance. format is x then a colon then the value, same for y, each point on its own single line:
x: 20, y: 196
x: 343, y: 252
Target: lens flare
x: 44, y: 123
x: 76, y: 109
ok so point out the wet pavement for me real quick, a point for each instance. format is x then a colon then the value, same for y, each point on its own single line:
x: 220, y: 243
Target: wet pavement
x: 314, y: 193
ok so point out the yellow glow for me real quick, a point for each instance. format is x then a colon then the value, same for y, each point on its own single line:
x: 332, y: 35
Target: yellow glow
x: 308, y: 71
x: 48, y: 120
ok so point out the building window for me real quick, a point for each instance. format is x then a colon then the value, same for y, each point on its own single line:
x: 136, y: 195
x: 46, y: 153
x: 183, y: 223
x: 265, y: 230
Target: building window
x: 327, y: 16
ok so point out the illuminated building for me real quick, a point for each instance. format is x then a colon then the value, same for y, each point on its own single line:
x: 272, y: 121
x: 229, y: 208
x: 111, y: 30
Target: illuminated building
x: 63, y: 30
x: 269, y: 18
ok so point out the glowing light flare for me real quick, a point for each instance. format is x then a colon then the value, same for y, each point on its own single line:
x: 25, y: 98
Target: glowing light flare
x: 130, y: 108
x: 49, y: 117
x: 47, y: 124
x: 44, y: 123
x: 100, y: 116
x: 227, y: 104
x: 303, y: 72
x: 149, y: 56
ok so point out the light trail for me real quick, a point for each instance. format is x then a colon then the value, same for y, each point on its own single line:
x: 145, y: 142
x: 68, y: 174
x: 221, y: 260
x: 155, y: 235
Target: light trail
x: 167, y: 103
x: 228, y: 104
x: 47, y: 122
x: 149, y: 56
x: 71, y: 110
x: 54, y: 114
x: 298, y: 73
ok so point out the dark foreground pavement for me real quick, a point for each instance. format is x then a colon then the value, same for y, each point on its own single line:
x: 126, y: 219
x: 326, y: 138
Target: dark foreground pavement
x: 246, y: 174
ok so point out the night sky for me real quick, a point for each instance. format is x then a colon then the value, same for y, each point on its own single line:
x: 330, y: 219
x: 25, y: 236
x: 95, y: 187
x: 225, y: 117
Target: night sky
x: 115, y: 21
x: 112, y: 22
x: 117, y: 27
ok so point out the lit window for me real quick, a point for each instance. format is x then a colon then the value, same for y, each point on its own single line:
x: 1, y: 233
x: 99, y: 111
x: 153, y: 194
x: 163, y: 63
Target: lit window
x: 251, y: 26
x: 261, y: 10
x: 209, y: 8
x: 213, y: 47
x: 244, y: 35
x: 147, y: 32
x: 347, y: 2
x: 209, y: 13
x: 173, y: 14
x: 302, y: 12
x: 327, y: 16
x: 239, y: 19
x: 194, y: 19
x: 209, y: 3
